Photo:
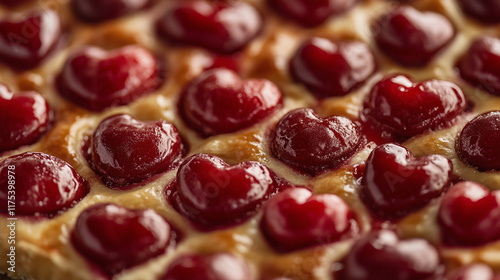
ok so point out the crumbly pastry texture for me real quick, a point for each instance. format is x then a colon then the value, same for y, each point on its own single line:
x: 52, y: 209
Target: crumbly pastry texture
x: 44, y: 249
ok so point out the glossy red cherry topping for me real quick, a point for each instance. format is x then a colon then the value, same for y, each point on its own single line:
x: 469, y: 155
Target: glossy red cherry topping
x: 221, y: 266
x: 382, y: 255
x: 26, y: 41
x: 478, y: 145
x: 396, y: 183
x: 25, y: 117
x: 218, y: 101
x: 407, y: 108
x: 96, y: 79
x: 330, y: 68
x: 411, y: 37
x: 472, y: 272
x: 312, y: 144
x: 116, y: 238
x: 486, y: 11
x: 127, y: 151
x: 310, y: 13
x: 230, y: 62
x: 210, y: 193
x: 101, y: 10
x: 220, y: 26
x: 470, y: 215
x: 295, y: 219
x: 44, y: 185
x: 480, y: 64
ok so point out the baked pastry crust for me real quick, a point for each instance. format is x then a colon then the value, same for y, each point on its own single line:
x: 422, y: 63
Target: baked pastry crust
x: 43, y: 248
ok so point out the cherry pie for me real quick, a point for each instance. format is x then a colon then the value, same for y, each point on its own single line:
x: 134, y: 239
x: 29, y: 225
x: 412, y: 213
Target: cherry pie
x: 250, y: 139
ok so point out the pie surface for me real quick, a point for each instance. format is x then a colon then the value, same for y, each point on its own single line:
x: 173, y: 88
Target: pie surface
x: 297, y: 120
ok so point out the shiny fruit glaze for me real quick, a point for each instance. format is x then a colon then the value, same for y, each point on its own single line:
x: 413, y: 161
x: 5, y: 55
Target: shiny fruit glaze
x: 470, y: 215
x: 220, y: 266
x: 411, y: 37
x: 312, y: 144
x: 295, y: 219
x: 479, y: 65
x: 405, y: 108
x: 477, y: 144
x: 116, y: 238
x: 396, y: 183
x: 212, y: 194
x: 218, y: 102
x: 382, y: 255
x: 25, y: 42
x: 96, y: 79
x: 25, y: 117
x: 310, y: 13
x: 328, y: 68
x: 485, y: 11
x: 127, y: 151
x: 219, y: 26
x: 44, y: 185
x: 472, y: 272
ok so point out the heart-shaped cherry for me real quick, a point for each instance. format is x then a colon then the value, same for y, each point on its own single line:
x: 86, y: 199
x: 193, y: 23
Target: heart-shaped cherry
x: 480, y: 64
x: 295, y: 219
x: 382, y: 255
x: 486, y: 11
x: 477, y: 144
x: 101, y: 10
x: 127, y: 151
x: 43, y: 184
x: 330, y: 68
x: 220, y: 266
x: 210, y: 193
x: 96, y: 79
x: 411, y: 37
x: 396, y: 183
x: 305, y: 141
x: 218, y: 101
x: 310, y: 13
x: 470, y: 215
x: 26, y: 41
x: 116, y: 238
x: 25, y: 117
x: 220, y: 26
x: 472, y: 272
x: 406, y: 108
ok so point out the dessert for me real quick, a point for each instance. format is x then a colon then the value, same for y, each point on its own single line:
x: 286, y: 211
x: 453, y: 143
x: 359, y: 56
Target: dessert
x: 250, y: 139
x: 312, y: 144
x: 412, y: 38
x: 210, y: 193
x: 125, y: 151
x: 51, y: 187
x: 28, y: 39
x: 26, y: 117
x: 96, y: 79
x: 329, y: 68
x: 221, y: 266
x: 297, y: 219
x: 219, y: 102
x: 404, y: 108
x: 395, y: 183
x: 103, y: 233
x: 381, y: 255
